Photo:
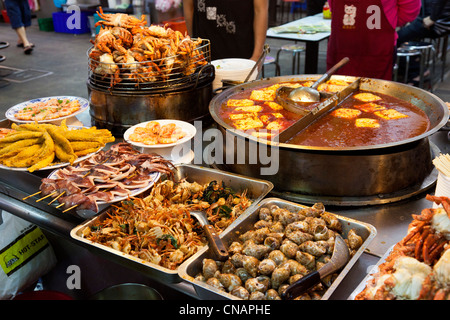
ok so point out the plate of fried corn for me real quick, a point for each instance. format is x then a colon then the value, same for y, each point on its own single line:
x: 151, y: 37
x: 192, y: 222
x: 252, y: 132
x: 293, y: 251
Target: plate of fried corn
x: 32, y: 147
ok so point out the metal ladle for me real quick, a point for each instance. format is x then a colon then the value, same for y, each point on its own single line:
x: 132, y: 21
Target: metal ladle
x: 310, y: 94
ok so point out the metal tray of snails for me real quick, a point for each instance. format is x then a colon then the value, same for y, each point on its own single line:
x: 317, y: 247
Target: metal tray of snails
x: 132, y: 71
x: 254, y: 189
x: 272, y: 224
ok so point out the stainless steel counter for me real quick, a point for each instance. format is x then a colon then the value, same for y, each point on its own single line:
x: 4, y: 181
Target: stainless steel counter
x: 390, y: 220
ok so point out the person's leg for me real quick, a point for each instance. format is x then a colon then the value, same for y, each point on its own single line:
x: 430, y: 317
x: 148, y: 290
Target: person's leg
x: 25, y: 12
x: 22, y: 34
x: 412, y: 32
x: 19, y: 20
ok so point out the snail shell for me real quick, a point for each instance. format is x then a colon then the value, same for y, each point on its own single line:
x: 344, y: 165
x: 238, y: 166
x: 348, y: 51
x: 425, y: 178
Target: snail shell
x: 313, y: 248
x: 240, y: 292
x: 235, y: 247
x: 272, y: 294
x: 320, y: 232
x: 354, y: 241
x: 260, y: 235
x: 277, y: 256
x: 262, y: 224
x: 242, y: 274
x: 294, y: 278
x: 300, y: 237
x: 264, y: 214
x: 209, y: 268
x: 229, y: 280
x: 289, y: 248
x: 215, y: 283
x: 306, y: 259
x: 266, y: 266
x: 228, y: 267
x: 257, y: 295
x: 260, y: 284
x: 332, y: 222
x: 286, y: 217
x: 296, y: 267
x: 297, y: 226
x: 237, y: 260
x: 255, y: 250
x: 272, y: 243
x: 250, y: 264
x: 277, y: 227
x: 280, y: 275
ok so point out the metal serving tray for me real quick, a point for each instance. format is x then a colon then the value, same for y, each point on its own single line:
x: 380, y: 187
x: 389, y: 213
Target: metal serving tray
x: 193, y: 266
x: 256, y: 190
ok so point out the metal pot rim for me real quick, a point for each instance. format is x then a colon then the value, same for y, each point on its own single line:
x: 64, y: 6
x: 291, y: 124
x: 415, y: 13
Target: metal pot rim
x: 218, y: 99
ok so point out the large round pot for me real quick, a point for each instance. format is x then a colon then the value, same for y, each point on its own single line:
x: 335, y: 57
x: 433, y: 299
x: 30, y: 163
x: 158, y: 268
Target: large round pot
x: 335, y: 172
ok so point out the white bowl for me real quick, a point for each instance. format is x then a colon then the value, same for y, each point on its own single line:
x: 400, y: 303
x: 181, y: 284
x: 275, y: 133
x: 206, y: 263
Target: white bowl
x: 232, y: 64
x: 232, y: 69
x: 178, y: 152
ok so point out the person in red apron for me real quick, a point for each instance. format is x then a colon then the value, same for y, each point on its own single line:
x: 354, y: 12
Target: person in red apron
x: 361, y: 30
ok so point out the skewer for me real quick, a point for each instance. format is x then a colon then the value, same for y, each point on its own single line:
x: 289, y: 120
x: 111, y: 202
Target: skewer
x: 56, y: 197
x: 31, y: 195
x: 49, y: 195
x: 74, y: 206
x: 60, y: 205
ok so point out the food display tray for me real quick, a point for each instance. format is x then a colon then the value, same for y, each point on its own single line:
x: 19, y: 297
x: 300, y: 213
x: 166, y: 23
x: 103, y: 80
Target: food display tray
x: 256, y: 191
x: 189, y: 269
x: 362, y: 285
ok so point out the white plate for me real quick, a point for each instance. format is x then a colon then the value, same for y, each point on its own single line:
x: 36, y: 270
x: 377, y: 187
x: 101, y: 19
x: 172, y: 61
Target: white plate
x: 55, y: 166
x: 188, y: 128
x: 154, y: 177
x: 11, y: 112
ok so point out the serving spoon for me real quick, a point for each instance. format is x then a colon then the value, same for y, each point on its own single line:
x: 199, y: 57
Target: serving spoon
x: 311, y: 94
x: 215, y: 243
x: 340, y: 257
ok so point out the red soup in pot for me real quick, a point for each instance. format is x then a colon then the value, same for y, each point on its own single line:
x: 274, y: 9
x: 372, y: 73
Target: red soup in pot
x: 363, y: 119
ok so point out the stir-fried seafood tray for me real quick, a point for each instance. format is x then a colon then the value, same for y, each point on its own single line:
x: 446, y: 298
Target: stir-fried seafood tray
x: 417, y: 267
x: 156, y: 233
x: 278, y: 243
x: 126, y: 51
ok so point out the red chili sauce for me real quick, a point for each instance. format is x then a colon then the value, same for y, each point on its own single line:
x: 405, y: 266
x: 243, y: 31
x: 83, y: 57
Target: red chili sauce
x: 403, y: 121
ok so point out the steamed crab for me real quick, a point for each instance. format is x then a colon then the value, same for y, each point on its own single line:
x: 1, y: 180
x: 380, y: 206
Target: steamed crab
x: 429, y: 232
x: 418, y: 268
x: 155, y: 53
x: 119, y: 20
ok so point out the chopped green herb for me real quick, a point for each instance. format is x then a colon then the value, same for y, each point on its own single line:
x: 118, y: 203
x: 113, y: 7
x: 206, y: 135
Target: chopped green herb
x: 173, y: 241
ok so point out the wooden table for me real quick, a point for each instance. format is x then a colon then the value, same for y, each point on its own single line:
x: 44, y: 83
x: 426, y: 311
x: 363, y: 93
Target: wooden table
x: 311, y: 40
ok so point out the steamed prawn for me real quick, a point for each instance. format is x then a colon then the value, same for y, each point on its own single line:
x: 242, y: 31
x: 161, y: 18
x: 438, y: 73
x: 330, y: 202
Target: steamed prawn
x: 153, y: 133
